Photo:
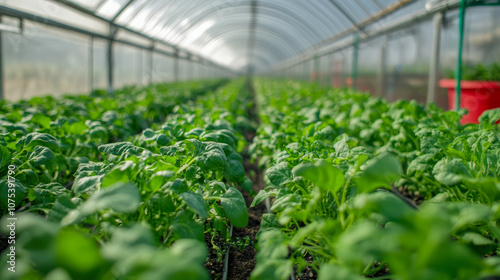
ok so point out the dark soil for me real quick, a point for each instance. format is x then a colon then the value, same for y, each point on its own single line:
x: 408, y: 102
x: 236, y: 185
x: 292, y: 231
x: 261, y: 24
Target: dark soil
x: 411, y: 195
x: 242, y: 260
x: 308, y: 273
x: 214, y: 263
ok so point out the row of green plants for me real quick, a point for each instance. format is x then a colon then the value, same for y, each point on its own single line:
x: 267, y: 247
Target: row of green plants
x: 336, y: 164
x: 124, y: 186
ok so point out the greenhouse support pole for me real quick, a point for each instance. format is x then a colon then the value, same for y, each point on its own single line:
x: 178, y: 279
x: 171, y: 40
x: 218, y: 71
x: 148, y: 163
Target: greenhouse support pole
x: 355, y: 50
x: 434, y: 63
x: 382, y: 68
x: 176, y: 66
x: 91, y: 64
x: 110, y: 65
x: 150, y: 60
x: 458, y: 70
x: 316, y: 69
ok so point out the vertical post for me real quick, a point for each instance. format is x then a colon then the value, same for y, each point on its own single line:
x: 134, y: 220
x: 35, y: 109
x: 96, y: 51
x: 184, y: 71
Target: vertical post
x: 316, y: 69
x: 140, y: 68
x: 458, y: 70
x: 176, y: 66
x: 434, y: 63
x: 150, y: 65
x: 382, y: 68
x: 91, y: 64
x: 354, y: 70
x: 112, y: 32
x: 110, y: 66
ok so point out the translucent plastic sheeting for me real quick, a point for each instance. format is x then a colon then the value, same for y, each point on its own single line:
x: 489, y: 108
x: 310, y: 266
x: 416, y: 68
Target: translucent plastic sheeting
x: 369, y: 65
x: 54, y: 11
x: 128, y: 66
x: 401, y: 70
x: 163, y: 69
x: 220, y: 29
x: 100, y: 64
x: 44, y: 61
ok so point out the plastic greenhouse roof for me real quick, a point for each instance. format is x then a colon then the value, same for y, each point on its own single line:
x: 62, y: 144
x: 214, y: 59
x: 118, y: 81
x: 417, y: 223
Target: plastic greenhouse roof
x: 234, y: 33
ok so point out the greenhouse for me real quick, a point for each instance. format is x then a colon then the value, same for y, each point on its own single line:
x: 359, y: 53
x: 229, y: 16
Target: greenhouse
x: 250, y: 139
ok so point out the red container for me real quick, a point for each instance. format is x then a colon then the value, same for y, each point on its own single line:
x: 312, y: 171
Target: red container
x: 477, y: 97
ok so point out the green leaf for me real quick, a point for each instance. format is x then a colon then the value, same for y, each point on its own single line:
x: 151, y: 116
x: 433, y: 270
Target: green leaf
x: 78, y: 254
x: 450, y: 171
x: 41, y: 155
x: 196, y: 202
x: 341, y: 148
x: 84, y: 184
x: 261, y: 196
x: 20, y: 192
x: 34, y: 139
x: 149, y: 135
x: 121, y: 197
x: 121, y: 173
x: 61, y: 208
x: 322, y: 173
x: 4, y: 157
x: 279, y: 174
x: 341, y: 273
x: 41, y: 119
x: 234, y: 171
x: 47, y: 193
x: 214, y: 157
x: 489, y: 117
x: 185, y: 226
x: 197, y: 250
x: 247, y: 185
x: 117, y: 149
x: 158, y: 179
x: 235, y: 207
x: 379, y: 172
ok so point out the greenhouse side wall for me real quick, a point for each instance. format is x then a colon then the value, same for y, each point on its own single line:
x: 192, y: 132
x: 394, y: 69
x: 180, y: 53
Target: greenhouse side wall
x: 396, y: 65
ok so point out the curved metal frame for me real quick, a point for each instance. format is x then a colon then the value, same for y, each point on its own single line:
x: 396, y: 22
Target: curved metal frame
x: 262, y: 25
x: 289, y: 23
x: 289, y: 12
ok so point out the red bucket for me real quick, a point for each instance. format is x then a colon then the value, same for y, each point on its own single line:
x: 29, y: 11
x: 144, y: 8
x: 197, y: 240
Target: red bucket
x: 477, y: 97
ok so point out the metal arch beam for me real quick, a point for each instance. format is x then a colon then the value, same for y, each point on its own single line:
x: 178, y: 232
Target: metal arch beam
x: 251, y: 35
x: 380, y: 15
x: 99, y: 5
x: 122, y: 10
x: 236, y: 37
x: 260, y: 27
x: 283, y: 45
x: 334, y: 20
x: 307, y: 25
x: 266, y: 18
x: 347, y: 15
x: 268, y: 58
x: 231, y: 36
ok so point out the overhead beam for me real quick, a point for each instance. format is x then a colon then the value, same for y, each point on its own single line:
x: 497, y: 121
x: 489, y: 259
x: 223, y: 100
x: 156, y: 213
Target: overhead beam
x: 121, y: 10
x: 361, y: 25
x: 251, y: 36
x: 347, y: 15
